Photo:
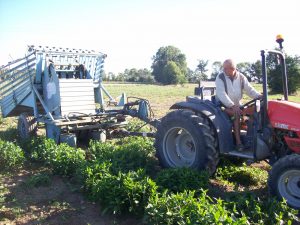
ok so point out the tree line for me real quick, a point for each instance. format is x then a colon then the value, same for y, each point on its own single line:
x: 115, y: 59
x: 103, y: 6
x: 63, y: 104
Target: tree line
x: 169, y: 66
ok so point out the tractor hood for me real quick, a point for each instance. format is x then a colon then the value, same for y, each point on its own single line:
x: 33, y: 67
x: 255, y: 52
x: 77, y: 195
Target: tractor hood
x: 284, y: 115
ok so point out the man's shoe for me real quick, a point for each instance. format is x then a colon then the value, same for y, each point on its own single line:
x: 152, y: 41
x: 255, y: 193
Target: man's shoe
x: 240, y: 147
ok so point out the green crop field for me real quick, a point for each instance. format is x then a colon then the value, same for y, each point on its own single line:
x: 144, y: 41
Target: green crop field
x: 121, y: 181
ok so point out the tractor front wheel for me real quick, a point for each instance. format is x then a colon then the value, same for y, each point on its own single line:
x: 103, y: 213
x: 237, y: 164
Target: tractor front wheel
x: 184, y: 139
x: 284, y: 180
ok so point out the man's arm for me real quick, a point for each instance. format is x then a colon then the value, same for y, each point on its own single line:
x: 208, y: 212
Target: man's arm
x: 221, y: 93
x: 249, y: 90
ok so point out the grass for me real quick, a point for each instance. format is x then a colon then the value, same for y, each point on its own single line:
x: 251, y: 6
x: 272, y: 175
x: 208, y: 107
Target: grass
x: 162, y: 97
x: 294, y: 97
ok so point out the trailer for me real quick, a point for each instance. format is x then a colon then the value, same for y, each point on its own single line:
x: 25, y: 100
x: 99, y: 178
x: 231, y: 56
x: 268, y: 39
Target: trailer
x: 62, y: 88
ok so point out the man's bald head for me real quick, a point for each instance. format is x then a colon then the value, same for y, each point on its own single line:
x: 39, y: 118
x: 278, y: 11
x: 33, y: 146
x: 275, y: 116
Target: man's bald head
x: 229, y: 67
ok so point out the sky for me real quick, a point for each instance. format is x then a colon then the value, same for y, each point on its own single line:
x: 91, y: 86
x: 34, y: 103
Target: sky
x: 130, y: 32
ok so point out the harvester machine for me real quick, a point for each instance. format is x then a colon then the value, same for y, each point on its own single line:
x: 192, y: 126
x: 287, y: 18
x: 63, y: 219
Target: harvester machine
x: 62, y: 88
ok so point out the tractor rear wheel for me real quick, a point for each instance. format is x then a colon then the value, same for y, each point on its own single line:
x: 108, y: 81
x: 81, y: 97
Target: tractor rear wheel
x: 284, y: 180
x: 184, y: 139
x: 27, y: 126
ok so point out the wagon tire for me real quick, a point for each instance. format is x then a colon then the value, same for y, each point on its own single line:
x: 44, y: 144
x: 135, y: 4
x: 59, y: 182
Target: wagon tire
x: 185, y: 139
x: 284, y: 180
x: 27, y: 126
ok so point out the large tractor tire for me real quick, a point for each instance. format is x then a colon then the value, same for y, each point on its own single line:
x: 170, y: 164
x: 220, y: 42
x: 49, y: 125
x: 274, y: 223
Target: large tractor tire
x: 184, y: 139
x: 27, y: 126
x: 284, y: 180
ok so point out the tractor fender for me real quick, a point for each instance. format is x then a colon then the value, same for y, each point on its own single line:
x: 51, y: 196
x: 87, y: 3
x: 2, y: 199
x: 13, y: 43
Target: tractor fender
x: 220, y: 121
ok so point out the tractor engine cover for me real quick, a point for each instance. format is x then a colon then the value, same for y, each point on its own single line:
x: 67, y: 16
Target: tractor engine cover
x: 286, y: 116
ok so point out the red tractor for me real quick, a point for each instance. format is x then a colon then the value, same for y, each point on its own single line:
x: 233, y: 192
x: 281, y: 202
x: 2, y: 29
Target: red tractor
x: 198, y: 131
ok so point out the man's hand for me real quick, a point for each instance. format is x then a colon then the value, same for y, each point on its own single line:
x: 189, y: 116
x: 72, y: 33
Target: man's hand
x: 236, y: 110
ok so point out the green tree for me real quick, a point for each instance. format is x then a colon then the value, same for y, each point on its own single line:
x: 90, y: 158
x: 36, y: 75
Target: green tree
x: 275, y: 74
x: 110, y: 76
x: 244, y: 68
x: 255, y: 71
x: 216, y: 68
x: 201, y: 69
x: 192, y: 76
x: 121, y: 77
x: 104, y: 75
x: 172, y: 74
x: 145, y: 76
x: 132, y: 75
x: 163, y: 57
x: 140, y: 75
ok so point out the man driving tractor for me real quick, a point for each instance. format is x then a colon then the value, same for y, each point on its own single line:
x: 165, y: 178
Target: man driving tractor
x: 230, y: 85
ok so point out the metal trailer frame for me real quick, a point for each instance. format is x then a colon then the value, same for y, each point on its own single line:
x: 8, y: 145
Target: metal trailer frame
x: 58, y: 87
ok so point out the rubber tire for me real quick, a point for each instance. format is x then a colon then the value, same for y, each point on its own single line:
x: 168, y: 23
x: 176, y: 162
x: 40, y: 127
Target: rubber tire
x: 202, y: 138
x: 98, y: 135
x: 27, y: 126
x: 69, y: 139
x: 282, y: 168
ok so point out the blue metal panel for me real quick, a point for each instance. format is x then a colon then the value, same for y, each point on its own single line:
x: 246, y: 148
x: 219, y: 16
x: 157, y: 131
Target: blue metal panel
x: 99, y: 95
x: 51, y: 93
x: 40, y: 64
x: 15, y: 83
x: 66, y: 57
x: 25, y: 80
x: 30, y: 101
x: 53, y: 132
x: 76, y: 97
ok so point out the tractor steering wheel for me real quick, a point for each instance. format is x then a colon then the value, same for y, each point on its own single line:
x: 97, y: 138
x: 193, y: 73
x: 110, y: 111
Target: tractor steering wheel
x: 250, y: 103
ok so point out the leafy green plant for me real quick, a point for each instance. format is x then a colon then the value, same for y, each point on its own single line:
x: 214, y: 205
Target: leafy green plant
x: 133, y: 156
x: 100, y: 151
x: 262, y: 211
x: 184, y: 208
x: 244, y: 175
x: 181, y: 179
x: 121, y: 193
x: 66, y: 159
x: 11, y: 156
x: 37, y: 180
x: 92, y: 174
x: 40, y: 149
x: 63, y: 159
x: 9, y: 134
x: 117, y: 176
x: 130, y: 154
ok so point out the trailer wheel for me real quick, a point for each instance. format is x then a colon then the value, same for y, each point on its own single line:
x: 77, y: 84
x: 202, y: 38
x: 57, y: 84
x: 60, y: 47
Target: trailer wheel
x: 184, y: 139
x: 27, y: 126
x: 98, y: 135
x: 284, y: 180
x: 69, y: 139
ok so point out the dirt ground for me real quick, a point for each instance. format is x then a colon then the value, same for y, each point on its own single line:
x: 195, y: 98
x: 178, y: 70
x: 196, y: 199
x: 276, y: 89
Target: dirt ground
x: 57, y: 202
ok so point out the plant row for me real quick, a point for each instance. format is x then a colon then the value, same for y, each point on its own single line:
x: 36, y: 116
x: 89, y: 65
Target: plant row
x: 125, y: 178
